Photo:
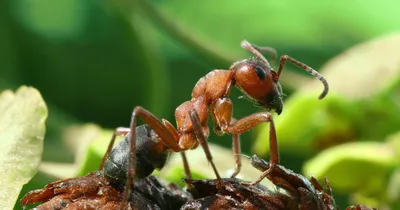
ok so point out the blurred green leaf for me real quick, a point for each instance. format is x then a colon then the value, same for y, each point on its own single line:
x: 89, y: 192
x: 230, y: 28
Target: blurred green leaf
x: 394, y: 141
x: 53, y: 19
x: 22, y: 128
x: 364, y: 70
x: 8, y: 57
x: 287, y: 22
x: 93, y: 148
x: 393, y: 190
x: 112, y: 57
x: 362, y: 167
x: 307, y: 124
x: 176, y: 174
x: 201, y: 47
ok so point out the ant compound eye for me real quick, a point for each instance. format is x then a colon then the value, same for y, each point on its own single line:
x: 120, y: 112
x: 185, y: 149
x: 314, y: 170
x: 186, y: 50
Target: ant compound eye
x: 260, y: 73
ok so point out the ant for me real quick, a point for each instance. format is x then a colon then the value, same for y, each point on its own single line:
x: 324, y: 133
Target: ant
x: 147, y: 147
x: 254, y: 77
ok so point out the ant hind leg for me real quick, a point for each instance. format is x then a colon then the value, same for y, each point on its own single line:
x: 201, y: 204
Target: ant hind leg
x: 159, y: 128
x: 120, y: 131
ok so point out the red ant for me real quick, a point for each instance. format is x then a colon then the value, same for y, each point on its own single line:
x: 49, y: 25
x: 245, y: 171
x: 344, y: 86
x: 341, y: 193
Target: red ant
x: 253, y: 76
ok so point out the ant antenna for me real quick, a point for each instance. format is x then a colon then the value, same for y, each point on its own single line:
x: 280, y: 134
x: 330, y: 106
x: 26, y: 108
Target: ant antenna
x: 249, y: 47
x: 324, y: 82
x: 269, y: 50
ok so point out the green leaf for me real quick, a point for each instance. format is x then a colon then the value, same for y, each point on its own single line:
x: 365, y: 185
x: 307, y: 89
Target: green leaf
x: 175, y: 175
x: 308, y: 124
x: 95, y: 142
x: 364, y: 70
x: 358, y: 166
x: 67, y: 19
x: 22, y: 128
x: 393, y: 190
x: 295, y: 23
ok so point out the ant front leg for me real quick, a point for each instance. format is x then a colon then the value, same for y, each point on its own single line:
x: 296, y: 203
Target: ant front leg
x: 248, y: 123
x: 222, y: 114
x: 120, y: 131
x: 236, y: 152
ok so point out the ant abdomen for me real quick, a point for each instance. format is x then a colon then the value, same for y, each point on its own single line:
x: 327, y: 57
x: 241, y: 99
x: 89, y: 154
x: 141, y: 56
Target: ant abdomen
x: 148, y: 155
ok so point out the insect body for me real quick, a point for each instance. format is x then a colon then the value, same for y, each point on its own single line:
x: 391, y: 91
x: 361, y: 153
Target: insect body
x: 254, y: 77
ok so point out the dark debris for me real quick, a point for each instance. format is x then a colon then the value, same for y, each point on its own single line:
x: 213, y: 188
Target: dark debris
x: 95, y: 191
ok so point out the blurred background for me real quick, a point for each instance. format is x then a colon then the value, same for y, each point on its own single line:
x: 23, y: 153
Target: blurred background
x: 93, y: 61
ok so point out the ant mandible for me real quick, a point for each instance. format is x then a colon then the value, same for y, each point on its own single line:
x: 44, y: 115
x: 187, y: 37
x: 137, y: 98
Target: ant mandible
x: 253, y: 76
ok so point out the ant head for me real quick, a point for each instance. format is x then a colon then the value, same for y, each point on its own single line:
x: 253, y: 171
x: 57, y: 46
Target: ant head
x: 255, y: 78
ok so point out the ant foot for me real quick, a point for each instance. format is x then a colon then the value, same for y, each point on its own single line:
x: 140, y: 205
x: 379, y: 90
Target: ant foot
x: 234, y: 174
x: 271, y: 167
x: 219, y: 184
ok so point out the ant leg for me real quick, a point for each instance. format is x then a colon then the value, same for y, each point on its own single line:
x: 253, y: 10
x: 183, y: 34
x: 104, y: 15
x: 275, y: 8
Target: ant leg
x: 236, y: 153
x: 186, y: 166
x: 198, y: 130
x: 171, y: 128
x: 158, y: 127
x: 221, y: 111
x: 120, y: 131
x: 248, y: 123
x: 285, y: 58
